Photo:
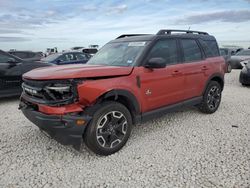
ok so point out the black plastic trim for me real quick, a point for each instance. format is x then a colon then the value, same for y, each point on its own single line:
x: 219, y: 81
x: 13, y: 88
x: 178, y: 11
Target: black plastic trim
x: 170, y: 108
x: 62, y: 128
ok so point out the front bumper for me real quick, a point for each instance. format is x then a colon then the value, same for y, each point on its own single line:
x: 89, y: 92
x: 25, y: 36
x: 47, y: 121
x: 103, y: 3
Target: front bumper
x: 245, y: 78
x: 63, y: 128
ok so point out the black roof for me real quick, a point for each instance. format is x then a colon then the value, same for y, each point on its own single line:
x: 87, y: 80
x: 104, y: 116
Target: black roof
x: 165, y: 33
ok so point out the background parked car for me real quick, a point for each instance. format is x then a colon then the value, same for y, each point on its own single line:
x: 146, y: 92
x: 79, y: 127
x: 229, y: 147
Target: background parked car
x: 245, y: 75
x: 11, y: 70
x: 67, y: 58
x: 27, y: 55
x: 50, y: 51
x: 76, y: 48
x: 237, y: 58
x: 227, y: 53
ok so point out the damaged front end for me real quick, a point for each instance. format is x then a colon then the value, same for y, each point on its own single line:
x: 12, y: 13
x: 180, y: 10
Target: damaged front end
x: 53, y: 107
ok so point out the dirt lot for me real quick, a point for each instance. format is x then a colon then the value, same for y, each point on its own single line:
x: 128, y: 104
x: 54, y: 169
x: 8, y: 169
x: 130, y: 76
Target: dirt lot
x: 181, y: 149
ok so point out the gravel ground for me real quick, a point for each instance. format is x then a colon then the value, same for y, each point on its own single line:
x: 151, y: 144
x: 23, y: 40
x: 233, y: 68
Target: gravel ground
x: 181, y: 149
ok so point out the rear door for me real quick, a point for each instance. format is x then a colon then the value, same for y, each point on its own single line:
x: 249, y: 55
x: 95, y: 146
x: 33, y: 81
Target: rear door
x: 194, y: 68
x: 163, y: 86
x: 10, y: 74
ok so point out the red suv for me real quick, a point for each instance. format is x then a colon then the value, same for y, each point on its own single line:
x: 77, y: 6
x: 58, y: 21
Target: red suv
x: 131, y: 79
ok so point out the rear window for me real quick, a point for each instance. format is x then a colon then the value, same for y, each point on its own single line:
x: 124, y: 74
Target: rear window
x: 210, y: 48
x: 30, y: 54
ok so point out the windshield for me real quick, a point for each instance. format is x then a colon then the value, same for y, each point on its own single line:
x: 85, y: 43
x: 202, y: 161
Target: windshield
x: 51, y: 57
x: 118, y: 54
x: 243, y: 53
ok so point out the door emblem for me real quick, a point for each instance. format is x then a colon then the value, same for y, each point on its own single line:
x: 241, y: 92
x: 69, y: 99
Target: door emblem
x: 148, y: 92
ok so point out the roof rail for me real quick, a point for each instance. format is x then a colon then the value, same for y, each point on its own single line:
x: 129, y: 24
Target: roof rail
x: 129, y: 35
x: 169, y: 31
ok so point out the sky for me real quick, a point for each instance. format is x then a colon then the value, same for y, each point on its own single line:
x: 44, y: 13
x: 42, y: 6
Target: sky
x: 40, y: 24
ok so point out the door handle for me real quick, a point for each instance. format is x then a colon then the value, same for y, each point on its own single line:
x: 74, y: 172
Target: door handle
x: 176, y: 73
x: 204, y: 68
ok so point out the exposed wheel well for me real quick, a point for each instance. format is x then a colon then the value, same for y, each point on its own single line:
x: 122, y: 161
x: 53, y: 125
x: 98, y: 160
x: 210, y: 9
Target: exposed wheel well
x: 219, y: 80
x: 125, y: 98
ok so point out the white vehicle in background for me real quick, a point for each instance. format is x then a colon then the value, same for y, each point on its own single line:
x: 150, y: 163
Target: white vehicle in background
x: 91, y: 50
x: 50, y: 51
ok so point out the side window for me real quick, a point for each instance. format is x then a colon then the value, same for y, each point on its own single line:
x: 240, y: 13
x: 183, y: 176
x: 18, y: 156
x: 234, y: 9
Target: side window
x: 67, y: 57
x: 4, y: 58
x: 191, y: 50
x: 31, y: 54
x: 62, y: 58
x: 21, y: 55
x: 166, y: 49
x: 210, y: 47
x: 70, y: 57
x: 81, y: 57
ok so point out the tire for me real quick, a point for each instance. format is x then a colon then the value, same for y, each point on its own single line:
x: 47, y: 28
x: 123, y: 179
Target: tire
x: 229, y: 68
x: 109, y: 129
x: 245, y: 85
x: 211, y: 98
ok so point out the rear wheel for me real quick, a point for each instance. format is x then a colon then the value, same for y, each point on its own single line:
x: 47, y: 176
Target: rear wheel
x: 229, y: 68
x: 211, y: 98
x: 109, y: 129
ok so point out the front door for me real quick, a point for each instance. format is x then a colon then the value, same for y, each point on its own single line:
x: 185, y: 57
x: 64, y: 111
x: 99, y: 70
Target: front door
x: 163, y: 86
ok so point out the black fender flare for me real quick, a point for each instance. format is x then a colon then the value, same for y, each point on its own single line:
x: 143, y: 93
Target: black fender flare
x: 216, y: 76
x: 116, y: 93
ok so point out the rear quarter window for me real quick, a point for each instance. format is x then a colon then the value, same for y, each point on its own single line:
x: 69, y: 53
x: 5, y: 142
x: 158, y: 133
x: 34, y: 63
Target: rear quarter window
x: 210, y: 48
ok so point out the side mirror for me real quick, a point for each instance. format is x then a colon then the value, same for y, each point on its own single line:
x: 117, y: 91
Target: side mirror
x: 156, y: 63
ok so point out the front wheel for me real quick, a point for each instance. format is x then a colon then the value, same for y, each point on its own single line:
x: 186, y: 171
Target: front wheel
x: 211, y: 98
x: 109, y: 129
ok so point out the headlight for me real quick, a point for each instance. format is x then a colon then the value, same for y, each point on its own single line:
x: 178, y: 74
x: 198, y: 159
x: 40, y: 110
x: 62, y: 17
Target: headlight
x: 59, y: 87
x: 59, y: 91
x: 244, y: 63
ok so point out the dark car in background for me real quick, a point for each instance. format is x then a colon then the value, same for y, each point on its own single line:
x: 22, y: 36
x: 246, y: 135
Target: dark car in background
x: 235, y: 61
x: 245, y: 75
x: 67, y: 58
x: 11, y: 70
x: 27, y: 55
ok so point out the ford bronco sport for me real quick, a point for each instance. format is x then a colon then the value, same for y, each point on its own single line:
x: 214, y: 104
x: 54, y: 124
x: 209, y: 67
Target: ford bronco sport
x: 131, y: 79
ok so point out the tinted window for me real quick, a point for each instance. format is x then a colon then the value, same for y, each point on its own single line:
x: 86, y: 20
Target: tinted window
x: 191, y: 50
x: 166, y: 49
x: 4, y: 58
x: 21, y: 55
x: 70, y: 57
x: 81, y: 57
x: 210, y: 48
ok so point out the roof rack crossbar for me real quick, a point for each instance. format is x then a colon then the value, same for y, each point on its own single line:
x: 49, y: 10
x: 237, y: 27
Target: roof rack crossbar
x: 169, y: 31
x: 129, y: 35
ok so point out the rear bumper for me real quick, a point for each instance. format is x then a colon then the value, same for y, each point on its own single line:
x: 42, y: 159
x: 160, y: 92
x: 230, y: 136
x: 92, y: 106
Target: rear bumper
x: 63, y: 128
